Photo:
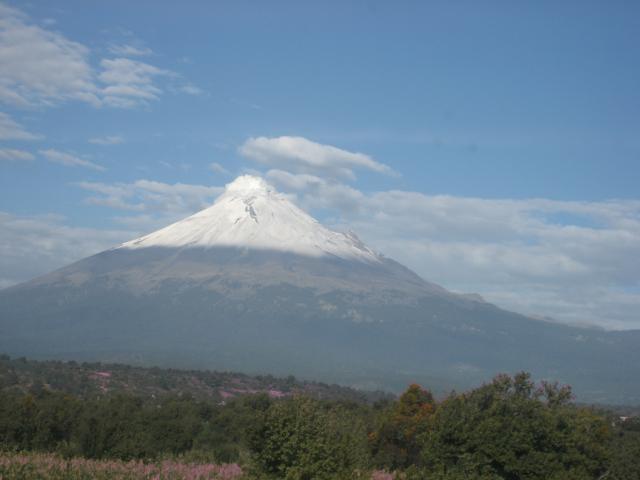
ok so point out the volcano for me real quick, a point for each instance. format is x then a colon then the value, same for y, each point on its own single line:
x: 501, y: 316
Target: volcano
x: 255, y: 284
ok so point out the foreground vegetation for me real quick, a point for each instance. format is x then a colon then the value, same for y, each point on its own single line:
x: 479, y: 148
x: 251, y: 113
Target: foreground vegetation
x: 44, y: 465
x: 508, y: 429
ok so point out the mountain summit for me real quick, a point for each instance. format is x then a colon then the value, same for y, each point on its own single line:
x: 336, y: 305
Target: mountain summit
x: 255, y: 284
x: 251, y: 214
x: 250, y: 238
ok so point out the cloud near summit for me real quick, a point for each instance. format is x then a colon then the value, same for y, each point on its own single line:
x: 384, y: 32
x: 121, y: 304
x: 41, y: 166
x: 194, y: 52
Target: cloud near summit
x: 305, y: 156
x: 574, y: 261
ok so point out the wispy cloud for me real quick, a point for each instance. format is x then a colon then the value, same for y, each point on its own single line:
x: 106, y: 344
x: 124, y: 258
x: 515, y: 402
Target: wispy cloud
x: 15, y: 155
x: 34, y: 245
x: 69, y: 160
x: 191, y: 89
x: 12, y: 130
x: 128, y: 50
x: 107, y: 140
x: 575, y: 261
x: 216, y: 167
x: 317, y: 192
x: 167, y: 201
x: 129, y: 82
x: 41, y: 67
x: 305, y: 156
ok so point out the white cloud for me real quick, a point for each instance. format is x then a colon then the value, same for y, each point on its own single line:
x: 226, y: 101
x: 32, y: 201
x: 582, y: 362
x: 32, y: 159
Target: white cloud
x: 11, y: 130
x: 143, y: 222
x: 68, y: 159
x: 118, y: 195
x: 578, y: 262
x: 293, y: 181
x: 40, y: 67
x: 129, y: 82
x: 107, y: 140
x: 304, y: 156
x: 514, y: 252
x: 15, y: 155
x: 216, y: 167
x: 191, y: 89
x: 167, y: 201
x: 124, y: 71
x: 127, y: 50
x: 318, y: 193
x: 35, y: 245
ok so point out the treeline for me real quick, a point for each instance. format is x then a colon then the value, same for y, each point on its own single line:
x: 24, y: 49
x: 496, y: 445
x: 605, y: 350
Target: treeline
x: 92, y: 379
x: 508, y: 429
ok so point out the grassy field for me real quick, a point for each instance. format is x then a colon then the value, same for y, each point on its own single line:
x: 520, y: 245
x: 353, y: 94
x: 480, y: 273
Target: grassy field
x: 29, y: 466
x: 37, y: 466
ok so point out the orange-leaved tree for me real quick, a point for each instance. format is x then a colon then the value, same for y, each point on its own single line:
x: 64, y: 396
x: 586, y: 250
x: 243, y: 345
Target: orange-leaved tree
x: 394, y: 443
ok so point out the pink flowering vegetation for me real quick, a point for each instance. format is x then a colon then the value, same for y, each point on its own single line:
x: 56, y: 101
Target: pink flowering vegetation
x: 47, y: 466
x: 32, y: 466
x: 380, y: 475
x: 103, y: 379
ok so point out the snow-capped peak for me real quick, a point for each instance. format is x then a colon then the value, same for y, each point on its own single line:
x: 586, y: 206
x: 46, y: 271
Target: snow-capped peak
x: 252, y: 214
x: 248, y: 184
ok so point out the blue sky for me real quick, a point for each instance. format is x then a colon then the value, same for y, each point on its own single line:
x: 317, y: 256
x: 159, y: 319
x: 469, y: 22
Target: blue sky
x: 510, y: 132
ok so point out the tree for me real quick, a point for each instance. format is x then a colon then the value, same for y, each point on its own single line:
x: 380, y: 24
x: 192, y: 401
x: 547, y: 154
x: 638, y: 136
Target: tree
x: 510, y: 429
x: 303, y: 439
x: 394, y: 444
x: 625, y: 450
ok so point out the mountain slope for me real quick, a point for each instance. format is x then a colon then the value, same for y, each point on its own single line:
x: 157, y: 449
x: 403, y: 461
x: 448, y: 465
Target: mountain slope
x: 255, y: 284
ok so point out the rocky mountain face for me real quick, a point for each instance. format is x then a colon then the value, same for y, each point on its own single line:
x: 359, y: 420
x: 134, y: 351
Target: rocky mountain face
x: 255, y: 284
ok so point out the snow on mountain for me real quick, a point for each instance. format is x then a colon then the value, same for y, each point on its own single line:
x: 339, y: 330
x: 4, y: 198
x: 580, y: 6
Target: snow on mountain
x: 252, y: 214
x: 254, y: 284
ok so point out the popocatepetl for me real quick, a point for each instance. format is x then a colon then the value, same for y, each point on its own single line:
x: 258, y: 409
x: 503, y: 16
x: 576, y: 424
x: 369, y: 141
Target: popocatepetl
x: 254, y: 283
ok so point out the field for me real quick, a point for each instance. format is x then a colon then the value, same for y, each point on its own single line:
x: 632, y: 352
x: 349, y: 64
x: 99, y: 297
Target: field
x: 37, y: 465
x: 28, y: 466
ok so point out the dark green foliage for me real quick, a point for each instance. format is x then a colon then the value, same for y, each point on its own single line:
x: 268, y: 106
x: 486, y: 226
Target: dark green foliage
x: 302, y: 439
x: 127, y: 427
x: 511, y: 430
x: 625, y: 451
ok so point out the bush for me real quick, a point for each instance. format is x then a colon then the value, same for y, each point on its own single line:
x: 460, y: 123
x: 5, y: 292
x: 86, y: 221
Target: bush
x: 303, y: 439
x: 511, y: 430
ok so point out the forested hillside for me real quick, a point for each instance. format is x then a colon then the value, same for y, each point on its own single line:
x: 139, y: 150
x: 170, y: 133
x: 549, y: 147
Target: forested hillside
x: 90, y: 380
x: 93, y: 417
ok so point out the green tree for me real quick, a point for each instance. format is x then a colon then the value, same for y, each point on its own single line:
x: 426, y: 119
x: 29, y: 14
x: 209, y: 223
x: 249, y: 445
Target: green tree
x: 511, y: 430
x: 303, y: 439
x: 625, y: 450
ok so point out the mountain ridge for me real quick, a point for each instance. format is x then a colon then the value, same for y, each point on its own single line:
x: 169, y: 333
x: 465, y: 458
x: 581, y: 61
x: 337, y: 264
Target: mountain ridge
x: 320, y: 305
